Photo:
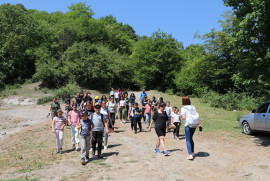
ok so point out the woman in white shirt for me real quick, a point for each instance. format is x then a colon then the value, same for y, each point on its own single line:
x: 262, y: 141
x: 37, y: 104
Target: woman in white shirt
x: 189, y: 131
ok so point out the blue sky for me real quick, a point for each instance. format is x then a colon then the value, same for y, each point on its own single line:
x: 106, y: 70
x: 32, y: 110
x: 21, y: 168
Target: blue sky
x: 181, y: 18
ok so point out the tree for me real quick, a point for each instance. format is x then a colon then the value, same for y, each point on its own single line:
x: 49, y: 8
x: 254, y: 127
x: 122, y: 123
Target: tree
x: 155, y: 60
x: 95, y: 65
x: 18, y: 39
x: 252, y: 39
x: 191, y: 79
x: 80, y: 10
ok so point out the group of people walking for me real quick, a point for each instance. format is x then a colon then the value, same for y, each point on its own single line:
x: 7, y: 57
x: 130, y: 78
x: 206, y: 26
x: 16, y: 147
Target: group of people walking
x: 93, y: 119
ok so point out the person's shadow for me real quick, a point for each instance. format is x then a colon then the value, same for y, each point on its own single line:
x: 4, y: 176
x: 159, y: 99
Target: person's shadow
x: 202, y: 154
x: 105, y: 155
x: 68, y: 151
x: 115, y: 145
x: 175, y: 150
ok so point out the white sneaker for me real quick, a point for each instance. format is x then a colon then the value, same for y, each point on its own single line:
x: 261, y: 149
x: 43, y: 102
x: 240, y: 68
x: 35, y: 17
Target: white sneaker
x: 105, y: 147
x: 124, y: 122
x: 190, y: 157
x: 121, y: 122
x: 91, y: 150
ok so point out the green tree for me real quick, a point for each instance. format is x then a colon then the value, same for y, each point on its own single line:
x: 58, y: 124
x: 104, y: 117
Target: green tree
x: 252, y: 40
x: 18, y: 39
x: 155, y: 60
x: 80, y: 10
x: 192, y: 77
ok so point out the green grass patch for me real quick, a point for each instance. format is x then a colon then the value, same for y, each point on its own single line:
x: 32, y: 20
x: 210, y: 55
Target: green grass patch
x: 213, y: 119
x: 97, y: 162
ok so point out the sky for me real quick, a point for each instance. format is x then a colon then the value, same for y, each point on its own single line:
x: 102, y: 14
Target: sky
x: 181, y: 18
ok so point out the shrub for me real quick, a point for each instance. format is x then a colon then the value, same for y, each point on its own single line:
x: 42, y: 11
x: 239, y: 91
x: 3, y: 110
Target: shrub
x: 44, y: 100
x: 170, y: 91
x: 11, y: 87
x: 63, y: 92
x: 232, y: 100
x: 28, y: 81
x: 45, y: 90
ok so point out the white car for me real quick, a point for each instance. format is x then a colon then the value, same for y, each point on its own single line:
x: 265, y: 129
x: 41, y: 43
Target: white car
x: 258, y: 120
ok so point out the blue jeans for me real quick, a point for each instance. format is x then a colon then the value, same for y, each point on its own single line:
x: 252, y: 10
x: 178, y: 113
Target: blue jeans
x: 169, y: 121
x: 189, y: 132
x: 148, y: 119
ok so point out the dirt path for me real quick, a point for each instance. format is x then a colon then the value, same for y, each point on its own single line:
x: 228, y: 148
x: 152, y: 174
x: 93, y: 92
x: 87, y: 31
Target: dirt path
x: 132, y: 157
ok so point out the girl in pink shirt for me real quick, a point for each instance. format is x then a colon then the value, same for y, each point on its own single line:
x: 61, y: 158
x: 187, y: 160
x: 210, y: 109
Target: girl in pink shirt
x: 74, y: 120
x: 147, y: 112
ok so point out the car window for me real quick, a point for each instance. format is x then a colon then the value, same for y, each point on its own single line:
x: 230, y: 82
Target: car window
x: 263, y: 108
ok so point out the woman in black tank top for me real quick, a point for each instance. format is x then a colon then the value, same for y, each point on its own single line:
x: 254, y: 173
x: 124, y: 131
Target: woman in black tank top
x: 160, y: 118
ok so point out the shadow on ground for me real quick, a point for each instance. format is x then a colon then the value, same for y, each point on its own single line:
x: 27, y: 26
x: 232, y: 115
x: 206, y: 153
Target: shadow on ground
x: 176, y: 150
x: 202, y: 154
x: 110, y: 154
x: 115, y: 145
x: 262, y: 138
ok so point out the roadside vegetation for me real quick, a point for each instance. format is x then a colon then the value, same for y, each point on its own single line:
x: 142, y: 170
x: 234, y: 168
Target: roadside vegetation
x: 59, y: 49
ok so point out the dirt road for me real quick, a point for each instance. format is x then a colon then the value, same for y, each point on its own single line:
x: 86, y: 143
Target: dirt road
x: 131, y: 156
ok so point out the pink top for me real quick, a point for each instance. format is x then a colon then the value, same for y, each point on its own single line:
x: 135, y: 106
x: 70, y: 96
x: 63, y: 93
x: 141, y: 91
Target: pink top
x: 74, y: 117
x: 148, y: 108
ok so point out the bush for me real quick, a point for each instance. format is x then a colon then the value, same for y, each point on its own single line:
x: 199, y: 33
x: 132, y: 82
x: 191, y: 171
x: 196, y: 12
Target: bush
x: 28, y: 81
x: 44, y: 100
x: 63, y: 92
x: 232, y: 100
x: 45, y: 90
x: 11, y: 87
x: 170, y: 91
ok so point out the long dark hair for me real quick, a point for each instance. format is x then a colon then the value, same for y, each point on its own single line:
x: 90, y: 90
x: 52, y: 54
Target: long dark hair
x: 104, y: 98
x: 122, y: 98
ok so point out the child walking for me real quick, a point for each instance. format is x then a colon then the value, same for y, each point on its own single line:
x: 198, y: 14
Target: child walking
x: 168, y: 111
x: 137, y: 113
x: 176, y: 119
x: 131, y: 115
x: 86, y: 126
x: 74, y: 120
x: 58, y: 124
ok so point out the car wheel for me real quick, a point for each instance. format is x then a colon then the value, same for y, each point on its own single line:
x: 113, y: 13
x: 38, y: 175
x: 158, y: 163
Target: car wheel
x: 246, y: 128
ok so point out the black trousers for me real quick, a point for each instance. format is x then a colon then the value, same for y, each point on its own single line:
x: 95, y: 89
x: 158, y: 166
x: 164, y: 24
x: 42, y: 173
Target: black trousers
x: 143, y: 110
x: 132, y: 122
x: 113, y: 119
x: 97, y: 139
x: 137, y: 121
x: 176, y: 130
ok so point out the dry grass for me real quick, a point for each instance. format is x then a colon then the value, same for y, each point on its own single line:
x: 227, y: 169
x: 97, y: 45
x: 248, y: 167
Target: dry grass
x: 30, y: 149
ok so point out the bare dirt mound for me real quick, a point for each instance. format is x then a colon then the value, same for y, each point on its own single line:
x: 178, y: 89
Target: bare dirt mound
x: 19, y: 101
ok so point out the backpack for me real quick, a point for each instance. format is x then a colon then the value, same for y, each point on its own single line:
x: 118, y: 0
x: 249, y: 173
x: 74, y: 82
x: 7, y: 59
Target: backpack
x: 101, y: 118
x: 193, y: 118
